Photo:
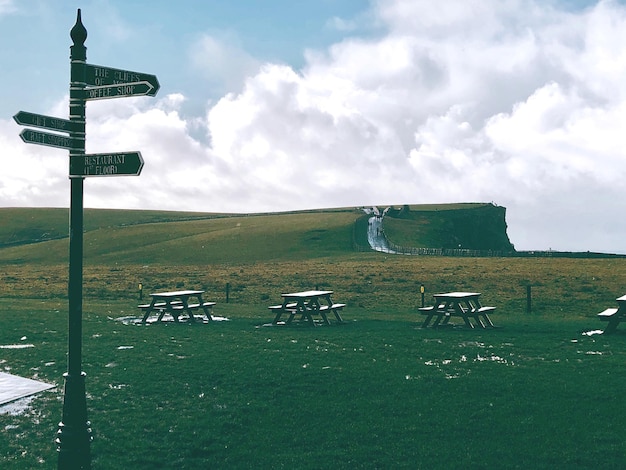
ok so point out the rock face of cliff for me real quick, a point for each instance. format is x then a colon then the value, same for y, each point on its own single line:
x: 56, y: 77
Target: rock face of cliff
x: 469, y: 226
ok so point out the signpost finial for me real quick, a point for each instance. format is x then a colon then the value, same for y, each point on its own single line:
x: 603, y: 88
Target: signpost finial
x: 79, y: 35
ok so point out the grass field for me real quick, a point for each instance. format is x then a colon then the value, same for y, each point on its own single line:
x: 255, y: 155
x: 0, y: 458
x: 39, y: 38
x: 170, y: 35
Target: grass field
x: 376, y: 392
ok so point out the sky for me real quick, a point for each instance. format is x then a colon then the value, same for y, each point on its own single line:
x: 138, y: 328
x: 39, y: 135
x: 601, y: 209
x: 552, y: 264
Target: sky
x: 277, y: 105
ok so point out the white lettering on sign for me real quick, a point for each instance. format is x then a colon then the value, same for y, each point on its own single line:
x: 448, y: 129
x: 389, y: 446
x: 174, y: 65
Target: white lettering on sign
x: 125, y: 89
x: 107, y: 76
x: 115, y: 159
x: 98, y: 92
x: 49, y: 139
x: 100, y: 75
x: 57, y: 124
x: 100, y: 165
x: 122, y: 76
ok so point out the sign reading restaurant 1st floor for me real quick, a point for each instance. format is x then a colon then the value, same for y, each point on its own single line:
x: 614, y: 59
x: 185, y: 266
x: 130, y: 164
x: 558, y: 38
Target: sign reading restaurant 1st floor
x: 106, y: 164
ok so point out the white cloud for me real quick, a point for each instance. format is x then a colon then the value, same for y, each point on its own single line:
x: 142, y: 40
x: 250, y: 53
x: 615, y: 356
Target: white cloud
x: 516, y: 102
x: 221, y: 61
x: 7, y: 6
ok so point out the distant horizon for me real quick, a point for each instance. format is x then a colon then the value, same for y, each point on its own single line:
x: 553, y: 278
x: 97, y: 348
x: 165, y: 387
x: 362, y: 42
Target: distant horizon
x: 322, y: 209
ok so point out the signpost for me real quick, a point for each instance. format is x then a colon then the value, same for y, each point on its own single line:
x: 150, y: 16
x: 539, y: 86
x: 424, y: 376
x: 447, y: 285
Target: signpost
x: 87, y: 82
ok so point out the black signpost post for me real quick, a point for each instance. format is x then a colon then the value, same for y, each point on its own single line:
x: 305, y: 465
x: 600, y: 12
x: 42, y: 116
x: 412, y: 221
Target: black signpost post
x: 87, y: 82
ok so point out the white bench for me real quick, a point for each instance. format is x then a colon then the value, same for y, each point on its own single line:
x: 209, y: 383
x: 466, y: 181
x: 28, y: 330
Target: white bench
x: 613, y: 316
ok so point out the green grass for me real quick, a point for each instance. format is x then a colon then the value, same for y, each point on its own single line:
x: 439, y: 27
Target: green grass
x: 376, y: 392
x: 222, y: 239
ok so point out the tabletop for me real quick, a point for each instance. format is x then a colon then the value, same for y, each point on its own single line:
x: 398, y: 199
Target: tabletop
x: 622, y: 298
x: 308, y: 293
x: 458, y: 295
x: 179, y: 293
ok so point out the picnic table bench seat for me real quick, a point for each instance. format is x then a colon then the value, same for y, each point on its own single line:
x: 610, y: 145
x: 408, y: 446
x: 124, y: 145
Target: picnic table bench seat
x: 483, y: 310
x: 196, y: 306
x: 331, y: 307
x: 613, y: 316
x: 607, y: 314
x: 158, y: 305
x: 289, y: 306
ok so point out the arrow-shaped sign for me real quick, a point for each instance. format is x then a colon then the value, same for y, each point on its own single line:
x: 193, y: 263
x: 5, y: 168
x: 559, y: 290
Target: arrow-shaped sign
x: 46, y: 122
x: 120, y: 90
x: 106, y: 164
x: 51, y: 140
x: 96, y: 75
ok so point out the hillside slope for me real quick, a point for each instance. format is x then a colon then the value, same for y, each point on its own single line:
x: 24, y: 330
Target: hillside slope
x: 112, y: 237
x: 206, y: 240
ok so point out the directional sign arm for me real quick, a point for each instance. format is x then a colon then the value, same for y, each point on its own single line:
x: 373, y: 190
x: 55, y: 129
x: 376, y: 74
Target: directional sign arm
x: 46, y: 122
x: 107, y: 164
x: 51, y: 140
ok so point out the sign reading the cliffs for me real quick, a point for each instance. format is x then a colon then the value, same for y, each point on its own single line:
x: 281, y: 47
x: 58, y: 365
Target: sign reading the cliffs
x: 98, y: 76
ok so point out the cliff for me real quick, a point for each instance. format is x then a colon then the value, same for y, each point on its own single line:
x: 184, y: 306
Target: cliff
x: 474, y: 226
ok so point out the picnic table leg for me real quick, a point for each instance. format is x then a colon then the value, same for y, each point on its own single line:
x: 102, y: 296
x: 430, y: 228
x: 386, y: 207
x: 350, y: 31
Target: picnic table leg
x: 440, y: 316
x: 307, y: 312
x: 488, y: 320
x: 337, y: 315
x: 147, y: 314
x: 277, y: 317
x: 307, y: 309
x: 463, y: 314
x: 187, y: 310
x: 174, y: 314
x: 162, y: 312
x: 309, y: 317
x: 148, y: 311
x: 299, y: 309
x: 315, y: 307
x: 429, y: 317
x: 205, y: 309
x: 467, y: 322
x: 612, y: 326
x: 207, y: 312
x: 324, y: 317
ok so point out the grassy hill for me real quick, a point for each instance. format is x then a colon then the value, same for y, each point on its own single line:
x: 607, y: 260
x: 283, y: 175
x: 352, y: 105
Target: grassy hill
x: 140, y: 237
x: 148, y: 237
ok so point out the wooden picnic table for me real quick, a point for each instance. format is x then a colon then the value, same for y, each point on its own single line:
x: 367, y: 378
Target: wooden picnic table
x: 462, y: 304
x: 614, y: 315
x: 307, y: 304
x: 176, y: 303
